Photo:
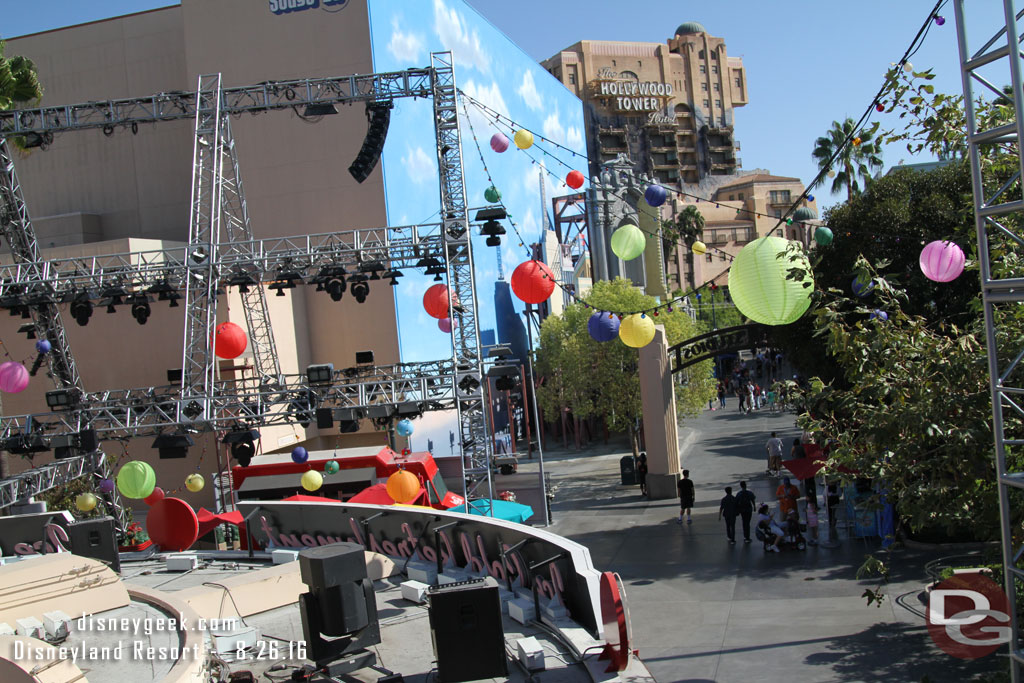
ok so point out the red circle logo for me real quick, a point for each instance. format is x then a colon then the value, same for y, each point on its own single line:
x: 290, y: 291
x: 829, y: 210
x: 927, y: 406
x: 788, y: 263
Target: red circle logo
x: 968, y: 616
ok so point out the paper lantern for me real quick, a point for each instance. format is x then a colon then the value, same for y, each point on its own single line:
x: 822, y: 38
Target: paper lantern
x: 136, y: 480
x: 403, y: 486
x: 312, y: 480
x: 155, y: 497
x: 636, y: 330
x: 523, y: 138
x: 492, y: 195
x: 880, y: 315
x: 229, y: 341
x: 699, y: 247
x: 655, y: 195
x: 831, y: 173
x: 908, y: 67
x: 43, y: 346
x: 106, y: 485
x: 823, y: 236
x: 759, y: 287
x: 942, y: 261
x: 602, y: 328
x: 86, y: 502
x: 300, y: 454
x: 533, y: 282
x: 172, y: 524
x: 435, y: 301
x: 499, y: 143
x: 404, y: 428
x: 447, y: 324
x: 332, y: 467
x: 856, y: 142
x: 574, y: 180
x: 195, y: 482
x: 13, y: 377
x: 628, y: 242
x: 862, y: 287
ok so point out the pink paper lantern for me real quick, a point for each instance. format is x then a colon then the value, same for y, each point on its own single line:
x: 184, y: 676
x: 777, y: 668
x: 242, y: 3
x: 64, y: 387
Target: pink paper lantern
x: 942, y: 261
x: 445, y: 325
x: 13, y: 377
x: 499, y: 143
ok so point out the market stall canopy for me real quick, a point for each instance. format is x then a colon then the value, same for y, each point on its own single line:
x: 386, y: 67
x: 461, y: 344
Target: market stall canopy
x: 503, y: 509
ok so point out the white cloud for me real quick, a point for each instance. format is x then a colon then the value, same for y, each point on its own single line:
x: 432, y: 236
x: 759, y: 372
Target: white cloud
x: 419, y: 166
x: 455, y: 35
x: 406, y: 47
x: 489, y: 95
x: 528, y: 91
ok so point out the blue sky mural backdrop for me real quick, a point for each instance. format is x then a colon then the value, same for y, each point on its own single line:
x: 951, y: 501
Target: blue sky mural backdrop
x: 491, y: 69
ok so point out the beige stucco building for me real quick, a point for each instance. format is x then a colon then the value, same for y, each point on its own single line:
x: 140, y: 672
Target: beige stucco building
x: 667, y: 106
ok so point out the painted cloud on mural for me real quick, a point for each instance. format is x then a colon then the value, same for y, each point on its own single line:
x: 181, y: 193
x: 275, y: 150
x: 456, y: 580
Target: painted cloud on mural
x: 528, y: 91
x: 407, y: 48
x: 453, y: 29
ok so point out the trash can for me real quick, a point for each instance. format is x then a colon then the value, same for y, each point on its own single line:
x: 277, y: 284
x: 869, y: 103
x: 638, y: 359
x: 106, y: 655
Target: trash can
x: 627, y: 468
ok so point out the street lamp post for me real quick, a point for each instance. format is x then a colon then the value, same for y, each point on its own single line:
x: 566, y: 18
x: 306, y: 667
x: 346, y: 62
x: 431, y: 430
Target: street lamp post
x: 536, y: 416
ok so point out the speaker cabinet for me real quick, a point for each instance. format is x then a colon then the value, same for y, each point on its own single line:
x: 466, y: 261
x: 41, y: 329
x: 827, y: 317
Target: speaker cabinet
x: 466, y: 629
x: 95, y: 538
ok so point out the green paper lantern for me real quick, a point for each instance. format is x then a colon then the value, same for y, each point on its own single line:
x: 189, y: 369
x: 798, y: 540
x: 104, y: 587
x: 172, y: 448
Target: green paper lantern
x: 492, y: 195
x: 136, y: 480
x: 628, y: 242
x: 823, y: 236
x: 331, y: 467
x: 758, y: 284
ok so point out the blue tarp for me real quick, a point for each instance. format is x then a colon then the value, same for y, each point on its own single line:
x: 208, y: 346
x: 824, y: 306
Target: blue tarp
x: 503, y: 509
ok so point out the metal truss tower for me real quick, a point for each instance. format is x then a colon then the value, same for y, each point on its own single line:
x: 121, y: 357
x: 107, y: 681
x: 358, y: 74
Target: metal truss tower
x: 458, y: 252
x: 999, y: 222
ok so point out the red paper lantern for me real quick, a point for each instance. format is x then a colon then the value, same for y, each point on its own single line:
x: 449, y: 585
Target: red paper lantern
x: 229, y: 341
x: 435, y: 301
x: 533, y: 282
x: 574, y: 180
x: 155, y: 497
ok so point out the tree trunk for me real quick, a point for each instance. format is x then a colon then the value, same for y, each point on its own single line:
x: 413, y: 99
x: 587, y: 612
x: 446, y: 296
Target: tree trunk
x: 576, y: 428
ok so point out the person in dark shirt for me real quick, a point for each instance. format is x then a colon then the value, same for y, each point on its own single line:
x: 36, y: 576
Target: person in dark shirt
x: 746, y: 502
x: 686, y: 496
x: 728, y: 509
x: 641, y: 473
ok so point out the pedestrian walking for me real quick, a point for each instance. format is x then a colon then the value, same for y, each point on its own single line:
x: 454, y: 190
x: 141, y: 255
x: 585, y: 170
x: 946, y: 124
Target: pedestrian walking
x: 746, y: 502
x: 812, y: 521
x: 728, y: 510
x: 721, y: 395
x: 774, y: 448
x: 686, y: 497
x: 641, y: 473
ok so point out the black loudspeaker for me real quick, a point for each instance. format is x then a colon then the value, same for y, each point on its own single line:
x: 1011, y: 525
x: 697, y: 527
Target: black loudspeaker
x: 466, y: 629
x: 95, y: 538
x: 324, y: 418
x: 348, y: 426
x: 87, y: 441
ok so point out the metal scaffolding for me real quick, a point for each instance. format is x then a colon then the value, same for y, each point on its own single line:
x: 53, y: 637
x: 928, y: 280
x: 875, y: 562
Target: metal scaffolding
x: 998, y: 214
x: 221, y: 252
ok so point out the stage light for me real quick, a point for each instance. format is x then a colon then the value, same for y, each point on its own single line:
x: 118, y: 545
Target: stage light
x: 140, y: 308
x: 29, y: 330
x: 31, y: 140
x: 469, y: 384
x: 335, y: 288
x: 359, y: 287
x: 393, y: 275
x: 505, y: 383
x: 320, y: 374
x: 379, y: 116
x: 492, y: 228
x: 242, y: 444
x: 409, y: 409
x: 81, y: 309
x: 59, y: 398
x: 243, y: 281
x: 374, y: 268
x: 173, y: 298
x: 171, y: 446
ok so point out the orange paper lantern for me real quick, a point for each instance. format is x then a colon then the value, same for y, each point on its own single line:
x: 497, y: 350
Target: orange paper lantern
x: 403, y: 486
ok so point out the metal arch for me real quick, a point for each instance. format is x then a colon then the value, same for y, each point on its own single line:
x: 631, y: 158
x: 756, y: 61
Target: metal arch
x: 458, y: 256
x: 1002, y: 48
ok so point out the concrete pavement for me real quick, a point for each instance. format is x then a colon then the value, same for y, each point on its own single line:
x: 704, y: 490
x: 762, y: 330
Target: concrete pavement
x: 704, y: 610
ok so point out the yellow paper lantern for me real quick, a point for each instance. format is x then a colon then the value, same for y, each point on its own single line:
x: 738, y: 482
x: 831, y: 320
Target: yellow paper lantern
x: 758, y: 283
x: 523, y: 139
x: 628, y: 242
x: 403, y: 486
x: 636, y: 330
x: 699, y: 247
x: 312, y: 480
x: 195, y: 482
x: 86, y: 502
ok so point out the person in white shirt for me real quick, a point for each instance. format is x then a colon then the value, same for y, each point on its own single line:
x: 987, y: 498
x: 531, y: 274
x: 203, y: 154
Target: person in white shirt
x: 774, y: 447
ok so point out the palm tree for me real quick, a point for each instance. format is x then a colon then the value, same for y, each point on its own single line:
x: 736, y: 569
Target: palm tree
x: 853, y: 162
x: 18, y: 84
x: 687, y: 226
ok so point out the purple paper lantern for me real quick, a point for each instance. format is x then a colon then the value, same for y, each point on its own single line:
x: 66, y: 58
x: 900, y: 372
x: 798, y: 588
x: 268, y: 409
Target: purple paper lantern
x: 13, y: 377
x: 106, y: 485
x: 445, y: 325
x: 603, y: 328
x: 655, y: 195
x: 499, y: 143
x: 942, y: 261
x: 43, y: 346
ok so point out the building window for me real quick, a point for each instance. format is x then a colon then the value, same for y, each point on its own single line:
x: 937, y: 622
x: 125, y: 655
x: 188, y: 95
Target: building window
x: 778, y: 214
x: 709, y: 257
x: 700, y: 55
x: 704, y: 87
x: 779, y: 196
x: 779, y: 231
x: 717, y: 88
x: 572, y: 79
x: 714, y: 68
x: 739, y: 83
x: 718, y: 104
x: 741, y: 195
x: 703, y: 69
x: 732, y: 197
x: 613, y: 63
x: 706, y: 104
x: 721, y: 257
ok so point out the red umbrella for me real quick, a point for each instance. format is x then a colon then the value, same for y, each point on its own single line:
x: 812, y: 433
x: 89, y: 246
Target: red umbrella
x: 806, y: 468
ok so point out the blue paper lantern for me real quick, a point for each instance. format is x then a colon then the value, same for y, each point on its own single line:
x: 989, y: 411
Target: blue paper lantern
x: 880, y: 315
x: 861, y: 287
x: 43, y: 346
x: 603, y: 328
x: 404, y: 428
x: 300, y: 454
x: 655, y: 195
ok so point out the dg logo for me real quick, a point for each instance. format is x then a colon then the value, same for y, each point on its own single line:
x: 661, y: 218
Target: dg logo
x: 968, y: 616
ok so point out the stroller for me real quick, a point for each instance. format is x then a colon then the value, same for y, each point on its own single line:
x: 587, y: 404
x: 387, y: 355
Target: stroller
x: 792, y: 536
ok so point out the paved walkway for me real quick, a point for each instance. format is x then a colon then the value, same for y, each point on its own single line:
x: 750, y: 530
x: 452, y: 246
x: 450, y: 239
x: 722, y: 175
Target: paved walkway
x: 702, y: 610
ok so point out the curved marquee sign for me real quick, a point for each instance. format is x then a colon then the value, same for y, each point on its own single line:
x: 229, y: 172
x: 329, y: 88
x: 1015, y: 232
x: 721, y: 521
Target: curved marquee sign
x: 709, y: 345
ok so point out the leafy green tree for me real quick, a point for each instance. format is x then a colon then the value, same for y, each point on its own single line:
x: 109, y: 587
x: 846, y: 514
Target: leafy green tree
x: 686, y: 228
x: 592, y: 378
x: 854, y: 163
